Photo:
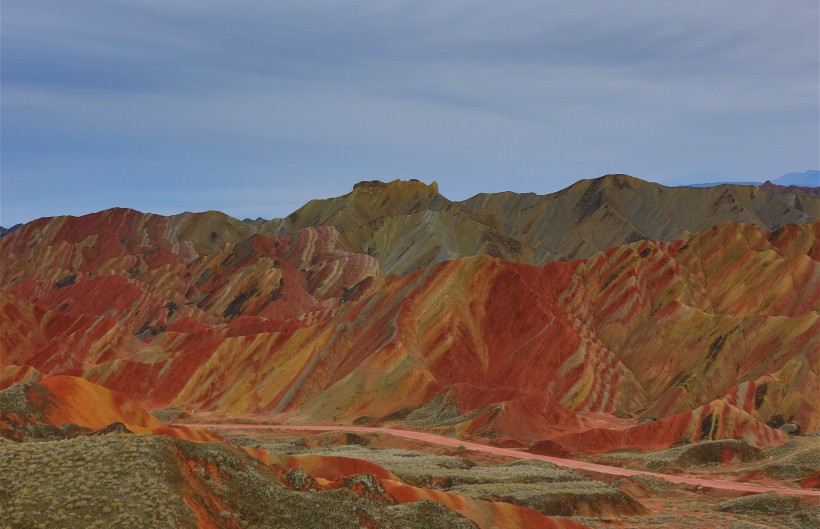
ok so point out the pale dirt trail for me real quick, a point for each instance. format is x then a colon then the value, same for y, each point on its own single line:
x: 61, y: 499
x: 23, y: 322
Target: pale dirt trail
x: 568, y: 463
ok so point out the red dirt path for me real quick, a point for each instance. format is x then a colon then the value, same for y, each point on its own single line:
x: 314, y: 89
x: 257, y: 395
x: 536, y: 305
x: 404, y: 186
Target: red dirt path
x: 568, y: 463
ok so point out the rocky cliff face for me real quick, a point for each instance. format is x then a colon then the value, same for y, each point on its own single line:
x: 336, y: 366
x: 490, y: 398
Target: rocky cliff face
x: 645, y: 344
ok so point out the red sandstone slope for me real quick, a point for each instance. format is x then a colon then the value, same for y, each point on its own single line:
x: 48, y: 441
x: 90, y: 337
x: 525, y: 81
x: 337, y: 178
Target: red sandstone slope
x: 714, y: 335
x: 91, y: 297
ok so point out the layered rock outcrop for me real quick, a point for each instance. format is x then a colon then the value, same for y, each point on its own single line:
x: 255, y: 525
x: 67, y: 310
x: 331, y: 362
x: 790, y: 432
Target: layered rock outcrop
x: 714, y: 334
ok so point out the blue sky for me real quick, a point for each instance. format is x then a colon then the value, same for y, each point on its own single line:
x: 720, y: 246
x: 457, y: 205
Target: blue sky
x: 253, y: 108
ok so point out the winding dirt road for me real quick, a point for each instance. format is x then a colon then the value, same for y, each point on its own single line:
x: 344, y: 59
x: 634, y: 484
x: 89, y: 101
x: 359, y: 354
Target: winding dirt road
x: 568, y: 463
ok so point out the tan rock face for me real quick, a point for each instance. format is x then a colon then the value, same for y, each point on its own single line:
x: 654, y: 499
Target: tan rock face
x: 714, y: 334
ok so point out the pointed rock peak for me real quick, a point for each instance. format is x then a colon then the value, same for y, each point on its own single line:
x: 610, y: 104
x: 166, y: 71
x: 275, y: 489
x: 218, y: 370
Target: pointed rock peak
x: 403, y: 187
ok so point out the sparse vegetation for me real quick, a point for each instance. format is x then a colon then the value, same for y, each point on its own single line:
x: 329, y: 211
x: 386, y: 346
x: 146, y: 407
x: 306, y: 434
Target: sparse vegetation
x: 118, y: 481
x: 144, y: 481
x: 549, y: 488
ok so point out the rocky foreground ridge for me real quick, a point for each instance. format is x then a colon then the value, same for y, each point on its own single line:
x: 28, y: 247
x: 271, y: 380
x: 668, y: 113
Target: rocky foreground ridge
x: 697, y: 321
x: 65, y: 469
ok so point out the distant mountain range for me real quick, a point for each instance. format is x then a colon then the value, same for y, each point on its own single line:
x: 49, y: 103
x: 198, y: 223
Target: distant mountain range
x: 715, y: 184
x: 9, y: 231
x: 807, y: 179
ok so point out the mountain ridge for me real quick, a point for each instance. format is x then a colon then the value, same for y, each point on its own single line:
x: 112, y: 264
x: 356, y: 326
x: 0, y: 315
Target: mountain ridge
x: 409, y: 225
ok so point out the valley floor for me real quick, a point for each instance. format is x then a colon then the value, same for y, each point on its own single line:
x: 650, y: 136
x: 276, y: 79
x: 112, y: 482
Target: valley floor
x: 713, y: 495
